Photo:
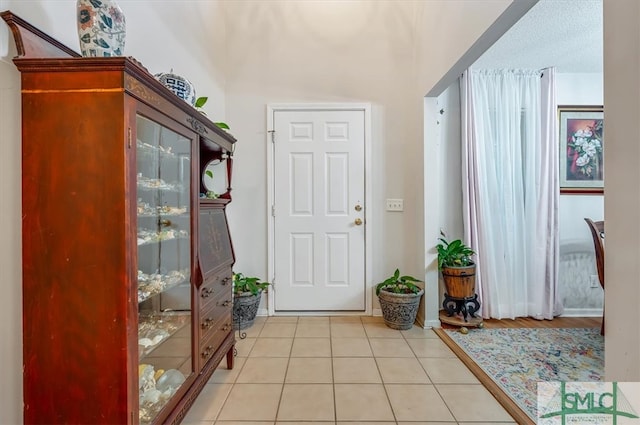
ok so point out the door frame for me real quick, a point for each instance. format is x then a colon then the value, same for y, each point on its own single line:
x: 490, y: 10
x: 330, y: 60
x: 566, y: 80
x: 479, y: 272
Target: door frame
x: 271, y: 109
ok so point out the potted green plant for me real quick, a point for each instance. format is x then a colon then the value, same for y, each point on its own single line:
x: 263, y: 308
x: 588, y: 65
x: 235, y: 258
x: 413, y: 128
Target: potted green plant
x: 399, y: 298
x: 457, y: 267
x: 247, y: 292
x: 200, y: 104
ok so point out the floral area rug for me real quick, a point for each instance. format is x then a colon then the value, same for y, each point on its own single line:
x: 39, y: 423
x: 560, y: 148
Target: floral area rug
x: 517, y: 359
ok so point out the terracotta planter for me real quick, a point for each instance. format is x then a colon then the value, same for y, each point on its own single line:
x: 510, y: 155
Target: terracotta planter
x: 460, y: 282
x: 399, y: 310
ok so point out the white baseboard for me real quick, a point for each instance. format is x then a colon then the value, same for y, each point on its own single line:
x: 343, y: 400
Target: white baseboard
x: 262, y: 312
x: 432, y: 324
x: 582, y: 312
x: 377, y: 312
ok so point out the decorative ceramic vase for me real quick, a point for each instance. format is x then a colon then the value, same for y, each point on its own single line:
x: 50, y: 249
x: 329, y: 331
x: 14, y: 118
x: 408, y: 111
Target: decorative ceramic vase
x: 245, y: 309
x: 182, y: 87
x: 101, y: 28
x: 399, y: 311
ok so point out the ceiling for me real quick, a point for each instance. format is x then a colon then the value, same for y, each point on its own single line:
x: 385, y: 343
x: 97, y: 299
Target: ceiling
x: 566, y: 34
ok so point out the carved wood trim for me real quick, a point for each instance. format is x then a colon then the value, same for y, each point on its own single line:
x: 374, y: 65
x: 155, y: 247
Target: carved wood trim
x: 197, y: 125
x: 33, y: 43
x: 141, y: 90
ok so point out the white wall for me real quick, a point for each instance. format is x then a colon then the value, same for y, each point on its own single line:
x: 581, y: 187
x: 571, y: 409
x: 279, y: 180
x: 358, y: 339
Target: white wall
x: 11, y: 242
x: 579, y: 89
x: 451, y: 159
x: 622, y: 201
x: 577, y: 261
x: 185, y: 36
x: 450, y: 202
x: 381, y: 52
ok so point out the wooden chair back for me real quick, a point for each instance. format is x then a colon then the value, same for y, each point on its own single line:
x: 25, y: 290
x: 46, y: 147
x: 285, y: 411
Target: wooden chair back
x: 597, y: 233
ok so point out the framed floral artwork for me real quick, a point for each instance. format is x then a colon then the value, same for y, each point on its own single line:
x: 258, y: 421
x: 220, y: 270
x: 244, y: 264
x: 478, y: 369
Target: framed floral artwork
x: 581, y: 149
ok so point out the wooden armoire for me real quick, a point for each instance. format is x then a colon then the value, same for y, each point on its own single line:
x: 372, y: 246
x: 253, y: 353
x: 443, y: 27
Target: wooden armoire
x: 127, y: 289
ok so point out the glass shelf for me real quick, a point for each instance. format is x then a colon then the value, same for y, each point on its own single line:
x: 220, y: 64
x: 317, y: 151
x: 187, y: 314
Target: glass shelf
x: 145, y: 148
x: 153, y: 284
x: 154, y: 329
x: 148, y: 183
x: 148, y: 236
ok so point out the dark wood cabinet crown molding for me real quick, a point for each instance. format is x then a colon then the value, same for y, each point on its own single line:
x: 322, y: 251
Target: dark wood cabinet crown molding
x: 33, y: 43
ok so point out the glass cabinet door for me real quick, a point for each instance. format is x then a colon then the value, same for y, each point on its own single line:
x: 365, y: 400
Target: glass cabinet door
x: 164, y: 264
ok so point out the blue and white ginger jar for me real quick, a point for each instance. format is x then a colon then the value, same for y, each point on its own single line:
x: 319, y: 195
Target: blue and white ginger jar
x: 182, y: 87
x: 101, y: 28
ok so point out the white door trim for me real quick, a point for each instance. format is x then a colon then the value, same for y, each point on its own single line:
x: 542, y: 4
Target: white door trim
x: 271, y: 109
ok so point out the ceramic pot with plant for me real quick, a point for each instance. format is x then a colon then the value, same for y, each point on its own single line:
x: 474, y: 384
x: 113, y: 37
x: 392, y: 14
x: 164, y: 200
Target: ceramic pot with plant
x: 458, y: 268
x: 399, y: 298
x: 247, y: 293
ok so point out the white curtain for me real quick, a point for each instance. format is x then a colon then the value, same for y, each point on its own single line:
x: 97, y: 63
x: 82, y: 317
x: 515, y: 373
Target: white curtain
x: 511, y: 189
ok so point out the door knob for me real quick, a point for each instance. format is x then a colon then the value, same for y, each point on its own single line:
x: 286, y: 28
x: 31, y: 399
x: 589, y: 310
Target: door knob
x: 358, y: 222
x: 358, y: 208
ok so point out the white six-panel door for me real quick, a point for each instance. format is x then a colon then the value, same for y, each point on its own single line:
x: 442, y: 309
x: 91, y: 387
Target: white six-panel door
x: 319, y: 210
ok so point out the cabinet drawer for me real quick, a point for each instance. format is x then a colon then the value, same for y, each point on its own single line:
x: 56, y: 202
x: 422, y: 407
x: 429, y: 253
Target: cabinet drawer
x: 213, y: 287
x: 213, y: 337
x: 218, y: 309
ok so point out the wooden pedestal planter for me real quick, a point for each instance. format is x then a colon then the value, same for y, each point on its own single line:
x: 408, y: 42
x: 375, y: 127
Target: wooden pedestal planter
x: 245, y: 308
x: 460, y: 282
x: 460, y: 298
x: 399, y: 310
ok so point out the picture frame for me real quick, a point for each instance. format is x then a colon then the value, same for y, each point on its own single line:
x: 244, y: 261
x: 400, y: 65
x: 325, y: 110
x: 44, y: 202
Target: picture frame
x: 581, y: 149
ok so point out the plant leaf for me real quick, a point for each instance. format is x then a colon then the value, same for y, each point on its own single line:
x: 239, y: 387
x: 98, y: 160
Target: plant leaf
x: 201, y: 101
x: 222, y: 125
x: 413, y: 288
x: 408, y: 279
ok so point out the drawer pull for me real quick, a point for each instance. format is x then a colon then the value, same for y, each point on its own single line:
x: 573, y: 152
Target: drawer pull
x: 207, y: 352
x: 226, y: 280
x: 227, y: 303
x: 206, y: 292
x: 226, y: 327
x: 207, y: 323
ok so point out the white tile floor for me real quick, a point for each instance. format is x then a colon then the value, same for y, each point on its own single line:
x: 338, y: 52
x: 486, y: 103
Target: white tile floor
x: 343, y: 370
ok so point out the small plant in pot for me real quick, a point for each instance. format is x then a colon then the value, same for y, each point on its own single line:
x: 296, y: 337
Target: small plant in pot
x: 399, y: 298
x: 459, y: 274
x: 247, y: 292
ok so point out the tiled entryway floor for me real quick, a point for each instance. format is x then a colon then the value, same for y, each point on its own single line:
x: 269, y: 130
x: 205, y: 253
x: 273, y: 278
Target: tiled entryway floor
x: 343, y: 371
